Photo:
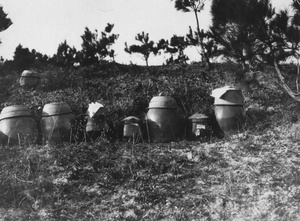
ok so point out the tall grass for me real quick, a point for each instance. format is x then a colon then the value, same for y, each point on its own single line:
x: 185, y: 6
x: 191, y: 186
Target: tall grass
x: 250, y: 176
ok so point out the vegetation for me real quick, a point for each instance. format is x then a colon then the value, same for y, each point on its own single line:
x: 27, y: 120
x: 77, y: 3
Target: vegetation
x: 196, y: 6
x: 5, y: 22
x: 66, y: 56
x: 146, y: 48
x: 252, y: 33
x: 175, y: 48
x: 251, y: 175
x: 94, y: 49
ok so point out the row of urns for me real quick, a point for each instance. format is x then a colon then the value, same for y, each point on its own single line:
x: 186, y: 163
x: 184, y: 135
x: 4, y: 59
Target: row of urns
x: 162, y: 118
x: 163, y: 122
x: 17, y: 123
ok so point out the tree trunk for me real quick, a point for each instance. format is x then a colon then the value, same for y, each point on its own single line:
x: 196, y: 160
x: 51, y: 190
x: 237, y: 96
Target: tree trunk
x: 298, y: 73
x: 283, y: 84
x: 201, y: 41
x: 147, y: 62
x: 146, y: 57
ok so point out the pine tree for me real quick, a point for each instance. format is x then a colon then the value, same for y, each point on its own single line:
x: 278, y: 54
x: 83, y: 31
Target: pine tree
x: 5, y: 22
x: 145, y: 48
x: 195, y: 6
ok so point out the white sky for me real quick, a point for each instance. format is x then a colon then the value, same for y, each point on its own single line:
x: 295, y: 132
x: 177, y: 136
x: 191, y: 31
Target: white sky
x: 44, y: 24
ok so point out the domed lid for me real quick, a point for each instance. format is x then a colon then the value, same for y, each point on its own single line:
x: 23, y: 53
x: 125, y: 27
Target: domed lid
x: 28, y: 73
x: 15, y: 111
x: 198, y: 117
x: 56, y: 108
x: 163, y: 102
x: 218, y: 92
x: 131, y: 119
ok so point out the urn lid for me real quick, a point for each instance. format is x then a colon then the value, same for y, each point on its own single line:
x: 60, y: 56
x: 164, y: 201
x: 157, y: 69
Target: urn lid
x: 163, y: 102
x: 29, y: 73
x: 228, y: 96
x: 56, y: 108
x: 197, y: 117
x: 131, y: 119
x: 15, y: 111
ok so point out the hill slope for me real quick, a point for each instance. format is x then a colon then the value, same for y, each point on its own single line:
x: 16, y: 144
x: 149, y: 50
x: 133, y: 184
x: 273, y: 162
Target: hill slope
x: 250, y: 176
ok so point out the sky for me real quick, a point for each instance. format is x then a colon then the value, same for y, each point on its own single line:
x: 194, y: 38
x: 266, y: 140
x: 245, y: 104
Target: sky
x: 44, y: 24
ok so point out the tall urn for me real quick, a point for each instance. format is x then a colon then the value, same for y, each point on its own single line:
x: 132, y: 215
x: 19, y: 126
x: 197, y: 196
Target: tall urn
x: 163, y: 120
x: 229, y: 111
x: 17, y: 124
x: 57, y: 122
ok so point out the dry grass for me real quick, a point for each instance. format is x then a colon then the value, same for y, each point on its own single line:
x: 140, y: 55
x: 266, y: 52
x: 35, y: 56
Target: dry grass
x: 246, y: 177
x: 249, y: 176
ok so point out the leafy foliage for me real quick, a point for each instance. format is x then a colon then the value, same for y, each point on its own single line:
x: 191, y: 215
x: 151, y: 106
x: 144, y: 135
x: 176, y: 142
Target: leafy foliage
x: 175, y: 48
x: 23, y: 58
x: 187, y: 5
x: 66, y: 56
x: 26, y: 59
x: 207, y: 42
x: 251, y: 32
x: 258, y: 35
x: 196, y: 6
x: 94, y: 49
x: 146, y: 48
x: 5, y: 22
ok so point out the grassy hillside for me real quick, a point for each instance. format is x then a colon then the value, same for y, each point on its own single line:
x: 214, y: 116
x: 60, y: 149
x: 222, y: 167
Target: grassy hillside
x: 252, y: 175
